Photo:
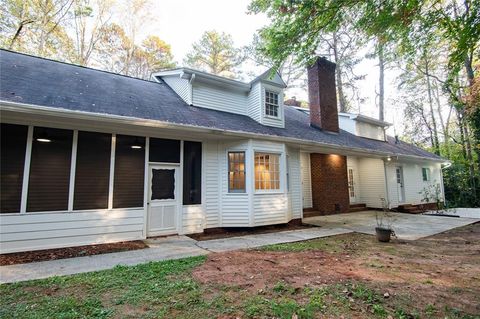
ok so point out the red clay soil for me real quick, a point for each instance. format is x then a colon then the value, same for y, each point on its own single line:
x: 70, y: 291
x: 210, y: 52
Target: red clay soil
x: 61, y: 253
x: 442, y: 270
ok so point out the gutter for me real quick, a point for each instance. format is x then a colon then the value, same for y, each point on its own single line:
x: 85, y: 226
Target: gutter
x: 53, y: 111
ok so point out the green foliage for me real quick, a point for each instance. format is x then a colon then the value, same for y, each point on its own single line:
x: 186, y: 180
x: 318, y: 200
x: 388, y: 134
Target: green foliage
x: 215, y: 53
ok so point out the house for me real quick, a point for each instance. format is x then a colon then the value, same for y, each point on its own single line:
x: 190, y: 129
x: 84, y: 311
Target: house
x: 88, y: 156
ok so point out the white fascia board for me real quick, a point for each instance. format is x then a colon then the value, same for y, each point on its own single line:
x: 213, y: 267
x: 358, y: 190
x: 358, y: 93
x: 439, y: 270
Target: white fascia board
x: 117, y: 119
x: 201, y: 76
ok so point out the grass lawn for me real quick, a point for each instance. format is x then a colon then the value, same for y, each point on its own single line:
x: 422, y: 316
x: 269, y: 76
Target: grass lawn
x: 348, y: 275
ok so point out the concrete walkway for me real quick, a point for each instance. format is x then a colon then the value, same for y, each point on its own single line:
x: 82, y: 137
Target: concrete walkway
x: 406, y: 226
x: 172, y: 247
x: 460, y: 212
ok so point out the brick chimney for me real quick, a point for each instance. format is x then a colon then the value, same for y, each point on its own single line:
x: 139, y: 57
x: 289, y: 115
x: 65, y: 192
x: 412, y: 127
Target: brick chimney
x: 322, y: 95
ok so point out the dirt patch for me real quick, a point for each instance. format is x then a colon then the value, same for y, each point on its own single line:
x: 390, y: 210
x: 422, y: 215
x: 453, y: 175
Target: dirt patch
x: 437, y: 272
x: 255, y: 270
x: 62, y: 253
x: 239, y: 231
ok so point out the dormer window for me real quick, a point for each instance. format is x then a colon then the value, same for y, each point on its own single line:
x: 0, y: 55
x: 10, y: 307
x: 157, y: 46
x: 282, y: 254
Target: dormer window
x: 271, y: 104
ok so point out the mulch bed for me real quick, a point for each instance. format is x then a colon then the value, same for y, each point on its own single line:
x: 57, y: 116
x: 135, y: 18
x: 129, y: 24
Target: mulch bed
x: 69, y: 252
x: 243, y: 231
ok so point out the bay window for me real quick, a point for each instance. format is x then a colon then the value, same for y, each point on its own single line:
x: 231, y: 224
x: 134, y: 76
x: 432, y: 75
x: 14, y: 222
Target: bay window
x: 267, y: 171
x: 236, y: 172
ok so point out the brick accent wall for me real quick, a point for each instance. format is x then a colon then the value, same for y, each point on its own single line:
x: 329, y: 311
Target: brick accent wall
x: 322, y: 95
x: 329, y: 183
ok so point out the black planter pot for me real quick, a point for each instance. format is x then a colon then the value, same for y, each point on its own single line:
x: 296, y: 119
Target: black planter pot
x: 383, y: 234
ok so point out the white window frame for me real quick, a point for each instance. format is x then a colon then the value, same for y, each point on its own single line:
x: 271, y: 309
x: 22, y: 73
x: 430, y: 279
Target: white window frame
x: 280, y: 166
x: 278, y: 94
x: 428, y: 174
x: 237, y: 191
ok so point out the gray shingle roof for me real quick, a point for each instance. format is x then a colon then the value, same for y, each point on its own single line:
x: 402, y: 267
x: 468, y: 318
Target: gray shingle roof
x: 43, y: 82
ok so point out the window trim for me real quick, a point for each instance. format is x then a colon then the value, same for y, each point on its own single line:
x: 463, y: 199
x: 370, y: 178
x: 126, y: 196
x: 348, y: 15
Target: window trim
x: 280, y: 189
x: 237, y: 191
x: 266, y: 91
x: 428, y: 174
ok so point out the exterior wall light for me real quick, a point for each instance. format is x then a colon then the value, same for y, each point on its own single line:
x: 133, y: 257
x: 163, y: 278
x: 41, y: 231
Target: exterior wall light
x: 389, y: 158
x: 136, y: 144
x: 43, y: 137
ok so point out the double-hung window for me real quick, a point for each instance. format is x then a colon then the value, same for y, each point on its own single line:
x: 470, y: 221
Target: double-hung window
x: 236, y: 172
x: 271, y: 104
x: 426, y: 174
x: 267, y: 171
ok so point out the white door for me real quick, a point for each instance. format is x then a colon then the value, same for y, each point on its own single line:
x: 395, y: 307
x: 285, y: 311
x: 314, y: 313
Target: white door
x: 163, y: 201
x: 352, y: 191
x: 400, y: 184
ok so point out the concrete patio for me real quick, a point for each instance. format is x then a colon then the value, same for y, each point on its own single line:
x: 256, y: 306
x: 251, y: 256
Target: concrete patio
x: 406, y: 226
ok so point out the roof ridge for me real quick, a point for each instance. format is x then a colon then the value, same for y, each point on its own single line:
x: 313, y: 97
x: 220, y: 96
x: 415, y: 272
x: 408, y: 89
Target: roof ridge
x: 75, y: 65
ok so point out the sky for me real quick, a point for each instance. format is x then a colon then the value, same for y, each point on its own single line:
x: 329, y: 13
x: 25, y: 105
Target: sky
x: 182, y: 22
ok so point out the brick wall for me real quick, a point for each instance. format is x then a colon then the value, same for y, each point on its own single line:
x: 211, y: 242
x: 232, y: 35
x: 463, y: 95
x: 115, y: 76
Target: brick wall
x: 322, y: 95
x: 329, y: 183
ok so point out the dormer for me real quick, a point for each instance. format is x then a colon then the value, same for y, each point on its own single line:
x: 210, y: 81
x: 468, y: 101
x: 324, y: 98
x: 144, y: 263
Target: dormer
x: 363, y: 126
x: 261, y: 99
x: 266, y: 99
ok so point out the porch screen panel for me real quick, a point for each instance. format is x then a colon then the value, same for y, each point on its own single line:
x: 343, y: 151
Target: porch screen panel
x: 192, y: 173
x: 129, y: 171
x: 164, y: 151
x: 12, y: 159
x: 92, y: 172
x: 49, y: 170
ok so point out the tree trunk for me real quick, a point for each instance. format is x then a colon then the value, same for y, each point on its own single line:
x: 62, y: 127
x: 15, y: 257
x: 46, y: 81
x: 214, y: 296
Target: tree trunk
x: 338, y: 74
x: 444, y: 123
x: 381, y: 95
x: 430, y: 103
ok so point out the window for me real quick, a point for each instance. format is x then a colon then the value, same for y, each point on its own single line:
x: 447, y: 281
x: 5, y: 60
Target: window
x: 271, y: 104
x: 236, y: 172
x: 163, y: 184
x: 267, y: 171
x: 129, y: 171
x: 164, y: 151
x: 426, y: 174
x: 192, y: 173
x: 49, y: 181
x: 12, y: 159
x: 92, y: 171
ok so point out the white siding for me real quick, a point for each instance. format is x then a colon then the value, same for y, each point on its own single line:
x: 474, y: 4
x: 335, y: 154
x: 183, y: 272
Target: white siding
x: 212, y: 184
x: 33, y: 231
x: 181, y: 86
x: 270, y: 209
x: 192, y: 219
x: 235, y: 207
x: 371, y: 174
x: 370, y: 131
x: 254, y: 107
x: 413, y: 181
x: 306, y: 180
x: 271, y: 121
x: 295, y: 190
x: 346, y: 124
x: 211, y: 97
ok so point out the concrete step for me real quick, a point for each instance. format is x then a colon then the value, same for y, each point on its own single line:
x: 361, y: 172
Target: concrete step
x: 357, y: 205
x: 311, y: 213
x: 357, y: 209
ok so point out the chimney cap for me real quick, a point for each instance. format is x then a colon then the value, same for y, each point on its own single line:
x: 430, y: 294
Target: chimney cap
x: 324, y: 62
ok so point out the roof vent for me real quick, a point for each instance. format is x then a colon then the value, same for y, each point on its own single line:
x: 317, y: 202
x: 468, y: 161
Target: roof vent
x: 396, y: 139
